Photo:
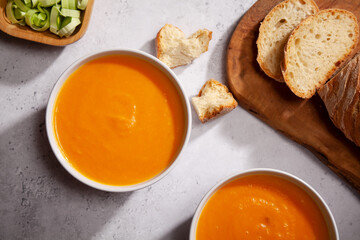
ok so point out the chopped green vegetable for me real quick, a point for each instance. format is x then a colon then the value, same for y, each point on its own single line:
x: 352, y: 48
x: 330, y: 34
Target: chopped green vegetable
x: 70, y: 13
x: 61, y: 17
x: 19, y: 14
x: 23, y: 7
x: 65, y: 22
x: 81, y: 4
x: 69, y: 28
x: 72, y: 4
x: 14, y: 14
x: 38, y: 20
x: 48, y: 3
x: 68, y: 4
x: 55, y: 20
x: 34, y: 3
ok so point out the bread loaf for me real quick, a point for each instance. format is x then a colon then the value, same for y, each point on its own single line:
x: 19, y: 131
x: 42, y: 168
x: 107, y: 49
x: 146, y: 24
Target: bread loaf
x: 341, y: 96
x: 214, y: 100
x: 174, y: 49
x: 275, y: 30
x: 316, y: 48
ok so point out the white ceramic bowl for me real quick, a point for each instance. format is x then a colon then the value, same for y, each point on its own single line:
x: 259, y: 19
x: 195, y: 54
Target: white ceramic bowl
x: 333, y: 232
x: 50, y: 109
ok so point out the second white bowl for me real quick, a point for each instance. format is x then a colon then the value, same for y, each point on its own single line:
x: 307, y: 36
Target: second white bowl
x: 329, y: 219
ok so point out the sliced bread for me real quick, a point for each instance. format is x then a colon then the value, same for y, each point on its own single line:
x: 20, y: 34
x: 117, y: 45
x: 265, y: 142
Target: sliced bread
x: 316, y: 48
x: 214, y: 100
x: 275, y: 30
x: 174, y: 49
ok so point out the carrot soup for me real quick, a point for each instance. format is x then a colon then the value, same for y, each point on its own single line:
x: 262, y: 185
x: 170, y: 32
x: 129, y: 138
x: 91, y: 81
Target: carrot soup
x: 261, y: 207
x: 119, y: 120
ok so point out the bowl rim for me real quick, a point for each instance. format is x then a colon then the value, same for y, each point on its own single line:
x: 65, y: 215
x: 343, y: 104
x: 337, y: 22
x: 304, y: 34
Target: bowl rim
x: 52, y: 100
x: 325, y: 210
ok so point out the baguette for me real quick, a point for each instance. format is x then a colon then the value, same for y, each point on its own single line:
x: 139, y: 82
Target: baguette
x: 275, y: 30
x: 341, y: 96
x: 214, y: 100
x: 316, y: 48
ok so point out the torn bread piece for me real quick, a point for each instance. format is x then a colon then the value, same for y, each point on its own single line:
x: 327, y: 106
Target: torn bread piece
x: 174, y: 49
x: 214, y: 100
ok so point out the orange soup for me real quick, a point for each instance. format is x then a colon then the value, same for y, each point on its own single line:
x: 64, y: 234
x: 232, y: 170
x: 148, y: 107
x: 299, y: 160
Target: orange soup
x: 261, y: 207
x: 119, y: 120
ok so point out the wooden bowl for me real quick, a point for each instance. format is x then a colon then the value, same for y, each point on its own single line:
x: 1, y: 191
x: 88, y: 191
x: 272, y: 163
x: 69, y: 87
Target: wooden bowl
x: 25, y: 32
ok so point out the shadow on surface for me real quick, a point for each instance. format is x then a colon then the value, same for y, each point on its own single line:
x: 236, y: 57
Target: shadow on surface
x: 149, y: 47
x: 23, y: 60
x: 216, y: 67
x: 39, y: 197
x: 180, y: 232
x: 217, y: 60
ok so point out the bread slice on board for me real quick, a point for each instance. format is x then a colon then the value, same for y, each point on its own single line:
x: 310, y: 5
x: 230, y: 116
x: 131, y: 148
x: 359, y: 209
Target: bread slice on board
x: 275, y: 30
x: 174, y: 49
x: 341, y: 96
x: 214, y: 100
x: 316, y: 48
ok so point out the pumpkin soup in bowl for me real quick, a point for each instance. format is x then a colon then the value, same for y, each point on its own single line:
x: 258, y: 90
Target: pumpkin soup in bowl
x: 263, y: 204
x: 118, y: 120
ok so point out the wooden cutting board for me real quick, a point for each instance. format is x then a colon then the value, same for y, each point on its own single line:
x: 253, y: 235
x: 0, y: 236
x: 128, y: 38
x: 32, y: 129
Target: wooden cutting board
x: 304, y: 121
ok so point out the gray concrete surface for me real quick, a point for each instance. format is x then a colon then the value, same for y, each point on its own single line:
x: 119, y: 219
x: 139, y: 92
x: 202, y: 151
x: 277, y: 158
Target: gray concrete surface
x: 40, y: 200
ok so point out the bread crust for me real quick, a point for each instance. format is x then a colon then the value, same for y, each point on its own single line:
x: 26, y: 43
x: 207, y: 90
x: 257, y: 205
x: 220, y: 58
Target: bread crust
x: 267, y: 18
x: 333, y: 69
x: 341, y: 96
x: 158, y: 39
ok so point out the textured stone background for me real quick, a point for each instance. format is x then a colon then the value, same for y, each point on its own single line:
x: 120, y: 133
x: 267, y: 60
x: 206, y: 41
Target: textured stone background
x: 40, y: 200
